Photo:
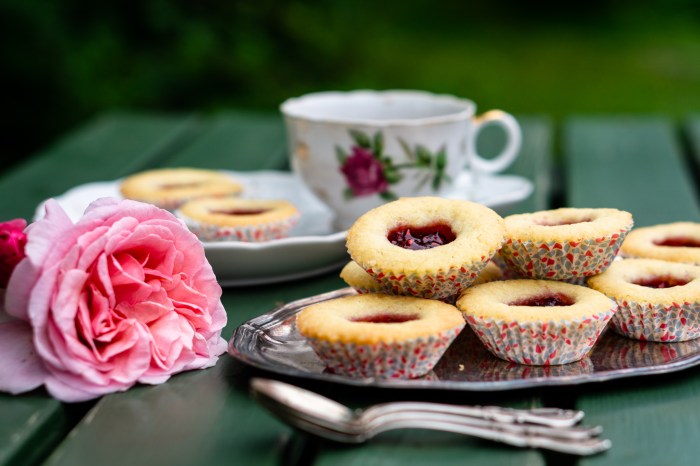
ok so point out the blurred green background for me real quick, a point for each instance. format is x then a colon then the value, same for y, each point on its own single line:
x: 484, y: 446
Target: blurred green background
x: 67, y: 60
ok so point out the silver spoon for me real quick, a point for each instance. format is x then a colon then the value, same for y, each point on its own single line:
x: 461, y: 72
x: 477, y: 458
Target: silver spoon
x: 548, y: 428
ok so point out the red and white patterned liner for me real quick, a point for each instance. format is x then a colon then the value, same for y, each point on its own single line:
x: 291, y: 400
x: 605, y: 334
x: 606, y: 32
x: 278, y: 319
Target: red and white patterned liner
x: 445, y: 284
x: 249, y: 233
x: 541, y: 343
x: 658, y: 322
x: 566, y: 260
x: 406, y: 359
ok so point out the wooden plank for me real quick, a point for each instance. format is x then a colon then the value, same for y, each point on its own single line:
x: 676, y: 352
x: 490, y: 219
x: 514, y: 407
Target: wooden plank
x: 636, y: 164
x: 31, y: 425
x: 691, y: 129
x: 106, y: 148
x: 238, y: 141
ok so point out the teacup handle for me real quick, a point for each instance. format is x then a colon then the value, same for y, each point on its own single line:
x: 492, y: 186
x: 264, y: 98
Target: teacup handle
x: 510, y: 151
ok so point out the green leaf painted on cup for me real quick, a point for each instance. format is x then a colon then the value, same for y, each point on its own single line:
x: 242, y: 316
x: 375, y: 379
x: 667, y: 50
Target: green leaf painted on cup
x: 360, y: 139
x: 424, y: 156
x: 341, y: 154
x: 378, y: 144
x: 407, y: 150
x: 388, y: 196
x: 392, y: 176
x: 441, y: 159
x: 425, y: 166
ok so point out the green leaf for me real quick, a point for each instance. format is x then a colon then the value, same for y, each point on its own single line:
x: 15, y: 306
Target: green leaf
x: 360, y: 138
x: 388, y: 196
x: 341, y: 154
x: 407, y: 150
x: 392, y: 176
x: 436, y: 182
x: 441, y: 159
x: 424, y: 155
x: 422, y: 183
x: 378, y: 144
x: 348, y: 194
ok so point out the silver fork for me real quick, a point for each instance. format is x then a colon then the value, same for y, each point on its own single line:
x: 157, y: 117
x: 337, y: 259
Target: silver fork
x: 546, y: 428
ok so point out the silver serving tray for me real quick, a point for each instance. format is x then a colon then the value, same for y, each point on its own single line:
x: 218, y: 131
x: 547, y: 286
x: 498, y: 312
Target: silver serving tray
x: 272, y: 342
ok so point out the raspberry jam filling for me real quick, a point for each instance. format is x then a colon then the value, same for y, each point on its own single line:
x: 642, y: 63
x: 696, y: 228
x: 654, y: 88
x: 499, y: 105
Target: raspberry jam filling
x: 239, y: 211
x: 386, y: 318
x: 545, y: 223
x: 427, y: 237
x: 545, y: 300
x: 665, y: 281
x: 679, y: 241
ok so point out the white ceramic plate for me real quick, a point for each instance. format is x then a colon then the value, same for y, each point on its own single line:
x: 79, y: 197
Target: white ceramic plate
x: 313, y: 247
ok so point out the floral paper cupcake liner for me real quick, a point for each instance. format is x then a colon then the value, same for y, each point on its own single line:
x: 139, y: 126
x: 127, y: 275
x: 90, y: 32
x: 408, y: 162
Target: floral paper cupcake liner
x: 247, y: 233
x: 565, y: 244
x: 441, y: 284
x: 645, y: 321
x: 541, y: 343
x: 245, y: 220
x: 405, y: 360
x: 362, y: 282
x: 380, y: 336
x: 566, y: 261
x: 536, y: 322
x: 657, y: 300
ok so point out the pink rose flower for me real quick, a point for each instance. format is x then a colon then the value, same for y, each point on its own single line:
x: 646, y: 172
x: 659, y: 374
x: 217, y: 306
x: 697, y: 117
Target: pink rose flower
x: 12, y: 241
x: 123, y: 296
x: 364, y: 173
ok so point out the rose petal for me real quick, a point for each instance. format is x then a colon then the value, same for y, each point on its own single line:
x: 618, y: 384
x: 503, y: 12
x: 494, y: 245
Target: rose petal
x: 21, y: 370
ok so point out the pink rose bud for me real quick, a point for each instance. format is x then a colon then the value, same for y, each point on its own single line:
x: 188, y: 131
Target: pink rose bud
x: 12, y: 241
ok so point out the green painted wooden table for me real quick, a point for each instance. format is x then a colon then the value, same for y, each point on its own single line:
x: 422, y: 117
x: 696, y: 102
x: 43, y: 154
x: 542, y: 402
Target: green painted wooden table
x: 647, y: 165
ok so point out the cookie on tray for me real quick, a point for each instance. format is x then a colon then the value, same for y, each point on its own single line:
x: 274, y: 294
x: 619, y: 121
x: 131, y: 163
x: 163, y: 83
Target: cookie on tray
x: 169, y: 188
x: 234, y: 219
x: 425, y: 246
x: 675, y: 242
x: 378, y: 335
x: 658, y: 300
x: 537, y: 322
x: 564, y: 244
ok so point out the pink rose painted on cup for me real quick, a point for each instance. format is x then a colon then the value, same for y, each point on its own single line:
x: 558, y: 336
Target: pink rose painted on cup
x: 123, y: 296
x: 368, y: 170
x: 12, y: 241
x: 364, y: 173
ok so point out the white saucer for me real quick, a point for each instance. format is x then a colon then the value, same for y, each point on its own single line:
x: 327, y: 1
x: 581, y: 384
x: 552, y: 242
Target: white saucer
x: 313, y: 246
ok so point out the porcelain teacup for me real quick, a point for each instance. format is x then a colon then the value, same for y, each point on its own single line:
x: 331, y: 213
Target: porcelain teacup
x: 356, y: 150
